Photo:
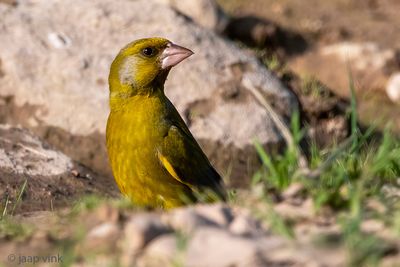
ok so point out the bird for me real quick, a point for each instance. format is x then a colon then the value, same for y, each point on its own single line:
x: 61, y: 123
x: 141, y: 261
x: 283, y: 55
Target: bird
x: 155, y: 160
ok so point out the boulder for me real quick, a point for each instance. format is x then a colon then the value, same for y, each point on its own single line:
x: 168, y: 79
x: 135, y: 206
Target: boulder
x: 34, y: 176
x: 25, y: 154
x: 56, y: 57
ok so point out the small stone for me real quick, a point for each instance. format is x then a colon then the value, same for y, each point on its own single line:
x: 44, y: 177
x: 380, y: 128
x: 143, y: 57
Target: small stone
x: 393, y: 87
x: 75, y: 173
x: 222, y: 249
x: 245, y: 225
x: 278, y: 8
x: 103, y: 230
x: 32, y: 122
x: 138, y: 232
x: 187, y: 219
x: 296, y: 212
x: 372, y: 226
x: 391, y: 191
x: 376, y: 205
x: 88, y: 176
x: 58, y: 40
x: 107, y: 213
x: 102, y: 237
x: 218, y: 213
x: 293, y: 190
x: 160, y: 252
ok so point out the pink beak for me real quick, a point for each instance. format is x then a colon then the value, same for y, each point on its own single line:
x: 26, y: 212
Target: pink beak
x: 174, y: 54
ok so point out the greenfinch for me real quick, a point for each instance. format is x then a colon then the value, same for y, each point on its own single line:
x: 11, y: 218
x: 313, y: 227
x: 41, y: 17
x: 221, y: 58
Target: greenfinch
x: 155, y: 159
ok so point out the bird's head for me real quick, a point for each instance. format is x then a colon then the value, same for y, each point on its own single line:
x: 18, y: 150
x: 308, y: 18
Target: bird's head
x: 143, y: 65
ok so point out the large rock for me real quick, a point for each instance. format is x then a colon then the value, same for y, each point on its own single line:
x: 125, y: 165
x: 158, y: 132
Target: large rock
x: 23, y: 153
x: 44, y: 177
x: 56, y: 56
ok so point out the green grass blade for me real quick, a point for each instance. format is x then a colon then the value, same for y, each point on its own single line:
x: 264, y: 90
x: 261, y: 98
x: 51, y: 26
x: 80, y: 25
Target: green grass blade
x: 18, y: 200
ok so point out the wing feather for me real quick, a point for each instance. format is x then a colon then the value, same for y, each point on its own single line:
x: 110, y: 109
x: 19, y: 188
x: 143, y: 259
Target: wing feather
x: 185, y: 161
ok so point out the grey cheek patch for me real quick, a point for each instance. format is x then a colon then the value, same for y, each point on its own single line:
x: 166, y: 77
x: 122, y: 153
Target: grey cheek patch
x: 127, y: 71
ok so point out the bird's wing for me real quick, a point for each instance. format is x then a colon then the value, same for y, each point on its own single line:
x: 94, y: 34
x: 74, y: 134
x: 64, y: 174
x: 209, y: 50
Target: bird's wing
x: 184, y: 160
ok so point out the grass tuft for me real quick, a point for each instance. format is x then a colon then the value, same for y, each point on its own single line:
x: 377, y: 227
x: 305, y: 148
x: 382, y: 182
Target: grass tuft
x: 11, y: 229
x: 342, y: 178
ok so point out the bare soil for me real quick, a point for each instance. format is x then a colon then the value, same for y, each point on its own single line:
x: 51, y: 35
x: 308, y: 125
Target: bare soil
x: 45, y: 191
x: 316, y: 23
x: 328, y: 21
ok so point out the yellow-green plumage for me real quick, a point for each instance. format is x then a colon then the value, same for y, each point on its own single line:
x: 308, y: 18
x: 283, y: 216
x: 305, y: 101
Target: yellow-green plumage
x: 155, y: 160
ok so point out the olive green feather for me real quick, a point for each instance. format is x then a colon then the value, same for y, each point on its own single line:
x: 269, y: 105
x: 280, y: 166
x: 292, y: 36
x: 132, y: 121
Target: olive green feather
x: 155, y: 160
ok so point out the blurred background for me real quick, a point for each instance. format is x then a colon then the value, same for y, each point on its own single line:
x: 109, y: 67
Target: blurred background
x: 362, y: 36
x: 296, y: 103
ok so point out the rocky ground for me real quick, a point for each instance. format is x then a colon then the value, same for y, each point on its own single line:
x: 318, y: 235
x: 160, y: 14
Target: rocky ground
x: 337, y: 36
x: 256, y: 65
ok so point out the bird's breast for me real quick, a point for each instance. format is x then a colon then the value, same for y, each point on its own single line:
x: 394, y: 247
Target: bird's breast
x: 140, y: 125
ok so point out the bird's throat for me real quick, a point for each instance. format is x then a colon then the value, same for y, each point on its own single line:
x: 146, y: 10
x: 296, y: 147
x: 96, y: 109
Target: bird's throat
x: 119, y: 99
x: 120, y: 92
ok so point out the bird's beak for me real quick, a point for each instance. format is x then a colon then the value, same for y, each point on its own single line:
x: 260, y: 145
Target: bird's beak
x: 173, y: 54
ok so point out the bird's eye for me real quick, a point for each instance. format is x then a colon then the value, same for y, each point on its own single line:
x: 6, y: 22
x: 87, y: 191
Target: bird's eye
x: 148, y: 51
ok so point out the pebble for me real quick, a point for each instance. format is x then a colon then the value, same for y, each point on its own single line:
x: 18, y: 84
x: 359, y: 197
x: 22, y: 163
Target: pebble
x: 393, y: 87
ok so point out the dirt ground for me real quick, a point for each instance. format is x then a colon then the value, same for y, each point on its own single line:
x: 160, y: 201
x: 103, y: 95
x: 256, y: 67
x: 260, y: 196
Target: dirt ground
x: 330, y: 22
x: 43, y: 190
